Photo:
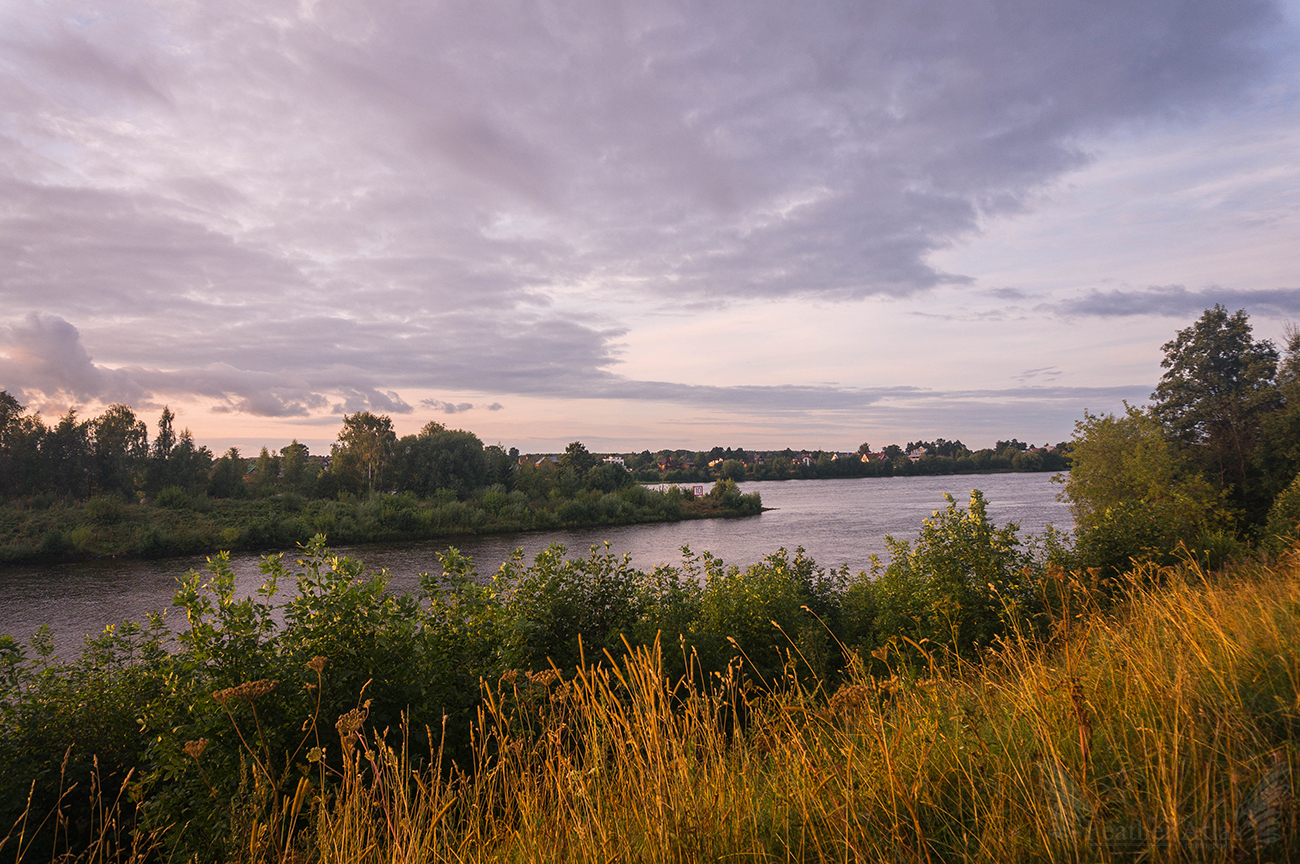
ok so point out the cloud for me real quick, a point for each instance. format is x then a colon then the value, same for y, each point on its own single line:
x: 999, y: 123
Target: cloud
x: 43, y: 353
x: 1177, y: 301
x: 449, y: 408
x: 296, y: 209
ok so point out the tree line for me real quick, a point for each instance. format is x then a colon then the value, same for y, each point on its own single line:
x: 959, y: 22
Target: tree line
x: 111, y: 455
x: 76, y: 459
x: 918, y: 458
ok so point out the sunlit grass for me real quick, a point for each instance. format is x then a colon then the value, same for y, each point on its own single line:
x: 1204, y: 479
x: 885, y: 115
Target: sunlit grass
x: 1161, y: 732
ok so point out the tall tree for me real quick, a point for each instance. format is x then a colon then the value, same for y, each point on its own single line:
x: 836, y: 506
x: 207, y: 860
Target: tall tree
x: 440, y: 458
x: 227, y: 478
x: 157, y: 475
x: 65, y: 456
x: 120, y: 445
x: 1277, y: 459
x: 267, y: 472
x: 293, y: 467
x: 366, y: 441
x: 189, y: 466
x: 578, y: 458
x: 1218, y: 385
x: 11, y: 412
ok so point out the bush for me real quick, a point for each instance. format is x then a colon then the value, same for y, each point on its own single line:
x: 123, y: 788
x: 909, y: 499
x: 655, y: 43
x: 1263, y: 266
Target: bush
x: 174, y: 498
x: 963, y: 584
x: 105, y: 509
x: 768, y: 612
x: 1283, y: 527
x: 559, y: 610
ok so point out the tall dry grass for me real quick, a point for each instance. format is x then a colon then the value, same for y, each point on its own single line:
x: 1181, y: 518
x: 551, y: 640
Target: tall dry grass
x: 1161, y: 731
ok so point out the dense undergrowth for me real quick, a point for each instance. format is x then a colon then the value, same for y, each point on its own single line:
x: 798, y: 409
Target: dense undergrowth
x: 43, y: 528
x: 973, y: 700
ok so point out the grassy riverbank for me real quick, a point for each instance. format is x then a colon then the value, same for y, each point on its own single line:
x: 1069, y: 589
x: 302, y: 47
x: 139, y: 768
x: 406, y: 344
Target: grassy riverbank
x: 971, y: 701
x: 1162, y: 731
x: 177, y: 524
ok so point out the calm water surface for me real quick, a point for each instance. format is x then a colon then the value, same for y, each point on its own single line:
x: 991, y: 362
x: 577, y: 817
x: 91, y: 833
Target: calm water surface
x: 835, y: 521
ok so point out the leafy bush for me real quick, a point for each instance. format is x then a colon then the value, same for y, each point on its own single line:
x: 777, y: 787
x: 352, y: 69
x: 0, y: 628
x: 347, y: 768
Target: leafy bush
x: 174, y: 497
x: 963, y: 583
x: 769, y: 611
x: 105, y: 509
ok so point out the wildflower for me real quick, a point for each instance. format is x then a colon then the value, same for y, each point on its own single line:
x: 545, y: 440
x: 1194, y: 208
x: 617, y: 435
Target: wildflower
x: 249, y: 691
x: 194, y: 749
x: 316, y: 664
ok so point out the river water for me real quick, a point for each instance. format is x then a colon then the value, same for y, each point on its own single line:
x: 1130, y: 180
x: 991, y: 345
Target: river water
x: 835, y: 521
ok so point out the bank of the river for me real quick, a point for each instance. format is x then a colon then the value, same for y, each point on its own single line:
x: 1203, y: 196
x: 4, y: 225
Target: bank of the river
x: 837, y: 522
x: 108, y: 527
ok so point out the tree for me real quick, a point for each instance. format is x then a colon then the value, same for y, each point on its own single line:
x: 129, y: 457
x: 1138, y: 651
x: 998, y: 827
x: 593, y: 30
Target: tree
x: 65, y: 456
x: 1132, y: 491
x: 293, y: 467
x: 11, y: 412
x: 576, y: 457
x: 227, y: 480
x: 188, y: 466
x: 120, y: 446
x: 440, y: 458
x: 1277, y: 459
x: 732, y: 469
x: 1218, y: 385
x: 157, y: 474
x: 267, y: 471
x: 366, y: 441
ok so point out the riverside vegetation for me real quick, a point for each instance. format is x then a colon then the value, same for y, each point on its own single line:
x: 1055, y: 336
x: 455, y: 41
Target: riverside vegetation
x: 99, y: 487
x: 981, y: 696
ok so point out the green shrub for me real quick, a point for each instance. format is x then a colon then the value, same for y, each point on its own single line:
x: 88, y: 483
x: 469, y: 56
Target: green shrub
x: 1283, y: 527
x: 174, y: 498
x: 105, y: 509
x: 962, y: 585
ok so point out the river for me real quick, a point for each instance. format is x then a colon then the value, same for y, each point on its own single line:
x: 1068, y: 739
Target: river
x: 835, y: 521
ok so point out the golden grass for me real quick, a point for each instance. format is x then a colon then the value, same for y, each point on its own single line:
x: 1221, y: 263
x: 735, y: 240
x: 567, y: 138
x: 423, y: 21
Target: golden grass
x: 1162, y: 732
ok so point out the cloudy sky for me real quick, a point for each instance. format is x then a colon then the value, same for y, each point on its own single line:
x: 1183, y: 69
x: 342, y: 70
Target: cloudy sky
x: 642, y: 224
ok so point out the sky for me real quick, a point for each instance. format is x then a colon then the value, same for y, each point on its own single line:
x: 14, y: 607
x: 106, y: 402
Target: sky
x: 639, y: 225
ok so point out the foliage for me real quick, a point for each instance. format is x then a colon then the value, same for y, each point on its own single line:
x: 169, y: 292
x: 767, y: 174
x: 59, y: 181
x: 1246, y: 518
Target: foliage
x: 964, y: 584
x: 1218, y: 385
x: 1133, y: 494
x: 1161, y: 731
x: 558, y: 611
x: 365, y: 446
x: 1283, y: 527
x: 439, y: 458
x: 768, y: 613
